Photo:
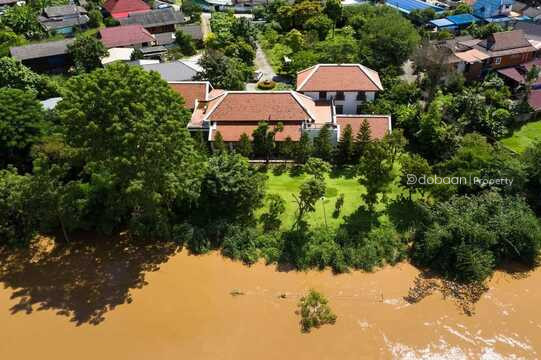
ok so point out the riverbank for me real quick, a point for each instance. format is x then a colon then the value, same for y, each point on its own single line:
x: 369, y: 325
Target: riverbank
x: 165, y: 305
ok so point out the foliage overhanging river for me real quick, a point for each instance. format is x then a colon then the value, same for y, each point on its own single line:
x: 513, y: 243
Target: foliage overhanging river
x: 150, y: 302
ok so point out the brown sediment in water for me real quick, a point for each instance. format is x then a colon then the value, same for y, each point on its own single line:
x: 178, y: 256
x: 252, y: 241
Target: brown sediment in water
x: 151, y: 302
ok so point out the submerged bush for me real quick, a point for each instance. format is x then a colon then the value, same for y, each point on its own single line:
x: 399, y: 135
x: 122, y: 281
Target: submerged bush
x: 315, y: 311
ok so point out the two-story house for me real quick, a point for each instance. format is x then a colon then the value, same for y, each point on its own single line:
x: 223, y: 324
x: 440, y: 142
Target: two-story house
x: 476, y: 57
x: 348, y: 86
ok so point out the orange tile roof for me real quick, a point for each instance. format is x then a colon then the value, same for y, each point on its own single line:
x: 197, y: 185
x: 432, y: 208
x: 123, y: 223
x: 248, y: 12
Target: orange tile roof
x: 258, y: 106
x: 191, y: 91
x: 233, y: 131
x: 379, y: 124
x: 338, y: 77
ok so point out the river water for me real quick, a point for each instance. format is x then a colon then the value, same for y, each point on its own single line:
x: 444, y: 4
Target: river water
x: 126, y: 303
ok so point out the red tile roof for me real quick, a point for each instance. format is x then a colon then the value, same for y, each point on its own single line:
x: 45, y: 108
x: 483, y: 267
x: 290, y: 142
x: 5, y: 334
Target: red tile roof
x: 534, y: 99
x: 379, y: 124
x: 191, y: 91
x: 338, y: 77
x: 125, y: 35
x: 259, y: 106
x: 125, y: 6
x: 232, y: 132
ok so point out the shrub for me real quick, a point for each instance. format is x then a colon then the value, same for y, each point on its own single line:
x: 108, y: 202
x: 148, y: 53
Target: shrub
x: 271, y: 220
x: 266, y: 85
x: 315, y: 311
x: 471, y: 235
x: 338, y: 206
x: 240, y: 243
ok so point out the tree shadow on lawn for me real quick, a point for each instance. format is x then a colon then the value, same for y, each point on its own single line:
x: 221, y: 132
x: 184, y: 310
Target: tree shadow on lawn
x: 406, y: 214
x: 361, y: 221
x: 83, y: 279
x: 347, y: 172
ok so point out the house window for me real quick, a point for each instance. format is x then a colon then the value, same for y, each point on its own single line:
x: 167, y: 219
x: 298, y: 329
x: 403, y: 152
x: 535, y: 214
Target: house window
x: 322, y: 95
x: 498, y: 60
x: 339, y: 95
x: 359, y: 109
x: 339, y: 109
x: 361, y: 96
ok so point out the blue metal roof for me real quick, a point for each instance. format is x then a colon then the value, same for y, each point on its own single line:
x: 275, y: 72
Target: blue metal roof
x: 442, y: 23
x: 407, y: 6
x: 462, y: 19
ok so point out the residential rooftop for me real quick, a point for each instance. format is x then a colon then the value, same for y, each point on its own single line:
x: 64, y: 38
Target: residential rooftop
x: 338, y: 77
x: 40, y: 50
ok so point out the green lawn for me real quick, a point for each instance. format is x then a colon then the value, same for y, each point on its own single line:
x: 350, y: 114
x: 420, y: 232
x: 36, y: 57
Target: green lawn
x: 523, y: 137
x: 286, y: 185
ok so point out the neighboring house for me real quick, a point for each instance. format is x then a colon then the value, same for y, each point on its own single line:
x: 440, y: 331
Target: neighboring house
x: 492, y: 8
x: 135, y: 36
x: 475, y: 57
x: 119, y: 9
x: 156, y: 21
x: 63, y: 19
x: 49, y: 56
x: 174, y: 70
x: 515, y: 76
x: 347, y: 85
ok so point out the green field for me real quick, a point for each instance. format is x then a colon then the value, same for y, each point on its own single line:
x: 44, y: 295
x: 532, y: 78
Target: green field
x: 286, y: 185
x: 523, y: 137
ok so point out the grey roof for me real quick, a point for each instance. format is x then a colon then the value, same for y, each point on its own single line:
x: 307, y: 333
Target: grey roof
x: 164, y: 38
x: 7, y: 2
x: 36, y: 51
x: 153, y: 18
x: 172, y: 71
x: 519, y: 6
x: 532, y: 12
x: 152, y: 49
x: 63, y: 10
x: 53, y: 24
x: 532, y: 31
x: 194, y: 30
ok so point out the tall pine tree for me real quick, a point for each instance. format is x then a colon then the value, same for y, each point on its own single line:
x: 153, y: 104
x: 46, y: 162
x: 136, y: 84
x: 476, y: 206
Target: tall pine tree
x: 364, y: 136
x: 244, y: 146
x: 218, y: 146
x: 323, y: 146
x: 344, y: 150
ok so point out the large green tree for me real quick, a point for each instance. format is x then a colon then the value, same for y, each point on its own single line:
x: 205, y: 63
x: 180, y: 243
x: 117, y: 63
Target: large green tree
x: 222, y: 71
x: 231, y: 189
x: 130, y: 129
x: 21, y: 126
x: 14, y: 74
x: 86, y: 52
x: 469, y: 236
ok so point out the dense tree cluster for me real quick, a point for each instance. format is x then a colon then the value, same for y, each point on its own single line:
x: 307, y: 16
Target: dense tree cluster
x: 230, y: 51
x: 308, y: 33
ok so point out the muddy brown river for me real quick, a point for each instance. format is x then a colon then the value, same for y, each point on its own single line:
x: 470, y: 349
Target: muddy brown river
x: 127, y: 303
